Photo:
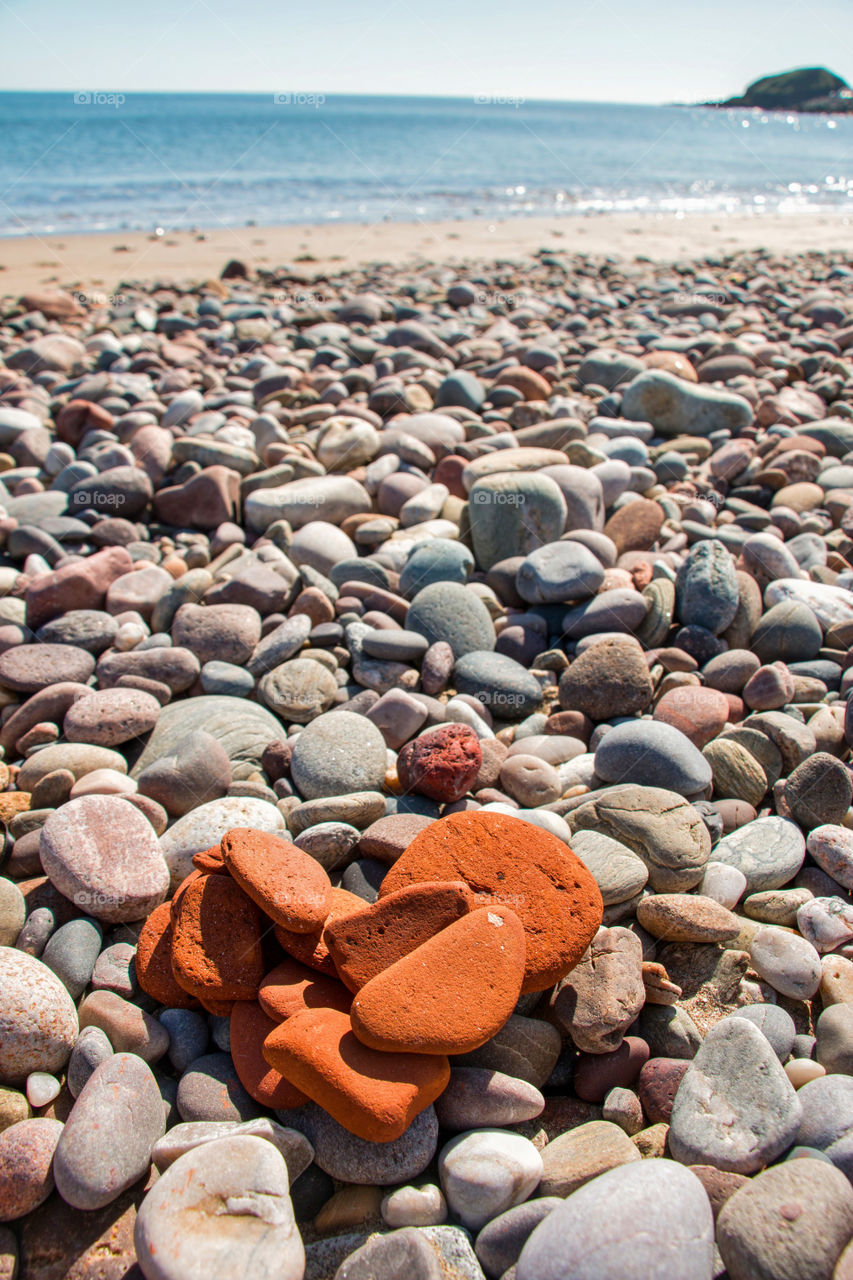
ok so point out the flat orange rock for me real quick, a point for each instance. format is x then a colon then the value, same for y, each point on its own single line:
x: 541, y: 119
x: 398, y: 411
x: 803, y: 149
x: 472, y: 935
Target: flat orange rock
x: 292, y: 988
x: 451, y: 994
x: 249, y: 1028
x: 370, y: 940
x: 209, y: 860
x: 509, y: 862
x: 216, y: 947
x: 312, y: 949
x: 287, y: 884
x: 373, y: 1095
x: 154, y: 961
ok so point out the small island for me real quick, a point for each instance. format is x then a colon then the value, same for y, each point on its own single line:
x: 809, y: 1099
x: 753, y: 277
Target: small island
x: 812, y: 89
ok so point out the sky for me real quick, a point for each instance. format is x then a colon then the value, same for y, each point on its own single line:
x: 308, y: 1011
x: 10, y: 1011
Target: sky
x: 583, y: 50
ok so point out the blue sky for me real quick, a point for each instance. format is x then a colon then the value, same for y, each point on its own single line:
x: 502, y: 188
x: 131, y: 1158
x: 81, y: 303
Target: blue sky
x: 598, y: 50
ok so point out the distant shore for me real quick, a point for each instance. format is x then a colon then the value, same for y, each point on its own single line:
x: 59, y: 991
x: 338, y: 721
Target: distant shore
x: 98, y: 263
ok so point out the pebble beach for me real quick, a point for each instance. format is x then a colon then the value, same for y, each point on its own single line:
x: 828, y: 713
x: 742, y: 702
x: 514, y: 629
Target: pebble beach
x: 425, y: 775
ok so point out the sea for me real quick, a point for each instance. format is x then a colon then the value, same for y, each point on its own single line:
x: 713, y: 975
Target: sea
x: 97, y: 160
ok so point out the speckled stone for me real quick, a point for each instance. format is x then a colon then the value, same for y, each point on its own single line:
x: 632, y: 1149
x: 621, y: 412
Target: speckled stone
x: 38, y: 1021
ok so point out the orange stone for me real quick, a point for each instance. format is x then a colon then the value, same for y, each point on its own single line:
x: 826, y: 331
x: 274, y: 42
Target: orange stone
x: 250, y: 1027
x: 312, y: 949
x: 509, y: 862
x: 287, y: 884
x: 154, y: 961
x: 449, y: 995
x: 216, y: 948
x: 292, y: 988
x: 364, y: 944
x: 373, y: 1095
x: 208, y: 860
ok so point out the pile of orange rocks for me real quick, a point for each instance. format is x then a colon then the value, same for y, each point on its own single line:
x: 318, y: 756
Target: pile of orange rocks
x: 355, y: 1006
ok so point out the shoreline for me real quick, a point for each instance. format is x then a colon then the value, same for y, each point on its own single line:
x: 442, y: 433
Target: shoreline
x: 98, y: 262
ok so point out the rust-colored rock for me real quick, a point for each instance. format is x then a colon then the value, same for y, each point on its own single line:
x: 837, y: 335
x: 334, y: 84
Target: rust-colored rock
x: 442, y: 764
x: 207, y: 860
x: 154, y: 961
x: 312, y: 949
x: 216, y: 949
x: 250, y: 1027
x: 451, y: 994
x: 509, y: 862
x: 699, y: 713
x: 287, y: 884
x: 292, y: 988
x: 373, y: 1095
x: 635, y: 527
x: 365, y: 943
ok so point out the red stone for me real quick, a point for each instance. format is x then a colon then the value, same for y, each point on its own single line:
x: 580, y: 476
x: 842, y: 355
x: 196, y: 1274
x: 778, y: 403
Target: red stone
x: 287, y: 884
x: 312, y: 949
x: 373, y: 1095
x: 154, y: 961
x: 700, y: 714
x: 509, y: 862
x: 216, y: 949
x: 292, y: 988
x: 249, y: 1028
x: 442, y: 764
x: 80, y: 585
x: 597, y: 1073
x: 657, y: 1086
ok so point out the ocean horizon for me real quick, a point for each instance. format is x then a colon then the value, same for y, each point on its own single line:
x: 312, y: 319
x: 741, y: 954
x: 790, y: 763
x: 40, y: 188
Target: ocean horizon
x: 97, y: 160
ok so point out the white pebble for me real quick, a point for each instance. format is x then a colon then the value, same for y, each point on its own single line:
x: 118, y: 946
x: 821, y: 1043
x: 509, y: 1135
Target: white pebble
x: 42, y: 1088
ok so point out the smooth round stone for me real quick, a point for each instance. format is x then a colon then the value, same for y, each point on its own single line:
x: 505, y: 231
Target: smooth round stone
x: 71, y: 953
x: 396, y: 646
x: 91, y: 1048
x: 700, y: 714
x: 801, y: 1071
x: 559, y: 572
x: 129, y: 1028
x: 530, y: 781
x: 205, y: 826
x: 789, y: 632
x: 41, y: 1088
x: 735, y: 1107
x: 829, y: 604
x: 653, y: 754
x: 188, y: 1036
x: 831, y: 847
x: 790, y: 1221
x: 610, y: 678
x: 500, y: 1242
x: 648, y: 1220
x: 707, y: 587
x: 423, y: 1206
x: 834, y: 1049
x: 477, y: 1098
x: 28, y: 668
x: 619, y: 609
x: 298, y: 690
x: 503, y: 685
x: 100, y: 1152
x: 619, y: 873
x: 38, y: 1021
x: 788, y: 962
x: 774, y: 1023
x: 321, y: 545
x: 769, y: 852
x: 512, y: 514
x: 217, y: 1206
x: 13, y: 912
x: 337, y: 754
x: 226, y: 680
x: 486, y: 1172
x: 827, y: 1116
x: 90, y: 629
x: 827, y: 923
x: 449, y: 612
x: 102, y: 853
x: 729, y: 671
x: 819, y: 791
x: 211, y: 1090
x: 348, y: 1158
x: 686, y: 917
x: 103, y: 782
x: 181, y: 1138
x: 217, y: 633
x: 436, y: 561
x: 331, y: 843
x: 722, y: 882
x: 26, y: 1174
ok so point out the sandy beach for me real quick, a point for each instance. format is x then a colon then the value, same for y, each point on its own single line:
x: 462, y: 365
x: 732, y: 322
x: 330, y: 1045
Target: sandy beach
x: 100, y: 262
